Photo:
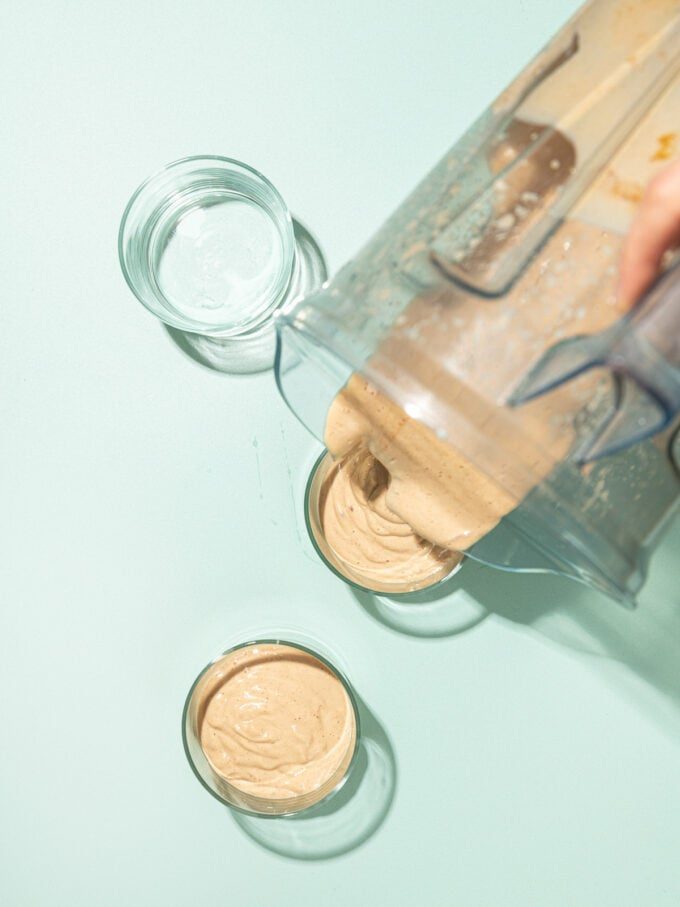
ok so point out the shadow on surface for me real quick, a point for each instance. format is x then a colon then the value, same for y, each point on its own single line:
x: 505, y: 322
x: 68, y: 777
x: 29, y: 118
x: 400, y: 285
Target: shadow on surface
x: 240, y: 356
x: 446, y: 610
x: 348, y: 818
x: 646, y: 641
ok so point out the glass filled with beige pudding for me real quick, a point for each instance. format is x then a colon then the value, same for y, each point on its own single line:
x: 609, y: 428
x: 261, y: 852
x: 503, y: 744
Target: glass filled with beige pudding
x: 271, y: 728
x: 354, y: 522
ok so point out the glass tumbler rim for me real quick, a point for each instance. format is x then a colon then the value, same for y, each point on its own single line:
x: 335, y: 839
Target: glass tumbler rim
x: 336, y: 671
x: 282, y: 219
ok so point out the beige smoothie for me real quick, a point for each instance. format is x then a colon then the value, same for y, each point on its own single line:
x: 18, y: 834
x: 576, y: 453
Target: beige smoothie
x: 373, y: 544
x: 275, y: 722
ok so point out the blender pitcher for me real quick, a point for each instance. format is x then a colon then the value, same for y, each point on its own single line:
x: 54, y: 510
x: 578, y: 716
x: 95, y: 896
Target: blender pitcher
x: 458, y: 313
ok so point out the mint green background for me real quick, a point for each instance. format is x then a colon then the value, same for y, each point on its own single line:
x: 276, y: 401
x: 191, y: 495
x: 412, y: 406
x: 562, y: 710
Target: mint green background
x: 537, y: 753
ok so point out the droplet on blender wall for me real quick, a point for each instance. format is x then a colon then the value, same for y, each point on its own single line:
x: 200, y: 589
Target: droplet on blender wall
x: 506, y: 222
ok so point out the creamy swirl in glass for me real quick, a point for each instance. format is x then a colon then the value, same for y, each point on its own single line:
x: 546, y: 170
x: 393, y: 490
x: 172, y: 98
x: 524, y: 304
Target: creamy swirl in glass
x: 276, y: 727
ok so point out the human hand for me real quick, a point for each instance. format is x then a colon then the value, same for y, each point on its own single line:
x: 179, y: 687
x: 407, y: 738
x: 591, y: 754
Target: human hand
x: 655, y: 230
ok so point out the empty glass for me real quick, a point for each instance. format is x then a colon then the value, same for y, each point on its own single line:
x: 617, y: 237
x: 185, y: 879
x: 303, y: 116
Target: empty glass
x: 208, y: 245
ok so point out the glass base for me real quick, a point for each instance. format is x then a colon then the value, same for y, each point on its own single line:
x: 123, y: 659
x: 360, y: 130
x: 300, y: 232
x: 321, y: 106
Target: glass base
x: 349, y: 817
x: 446, y: 610
x: 254, y: 352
